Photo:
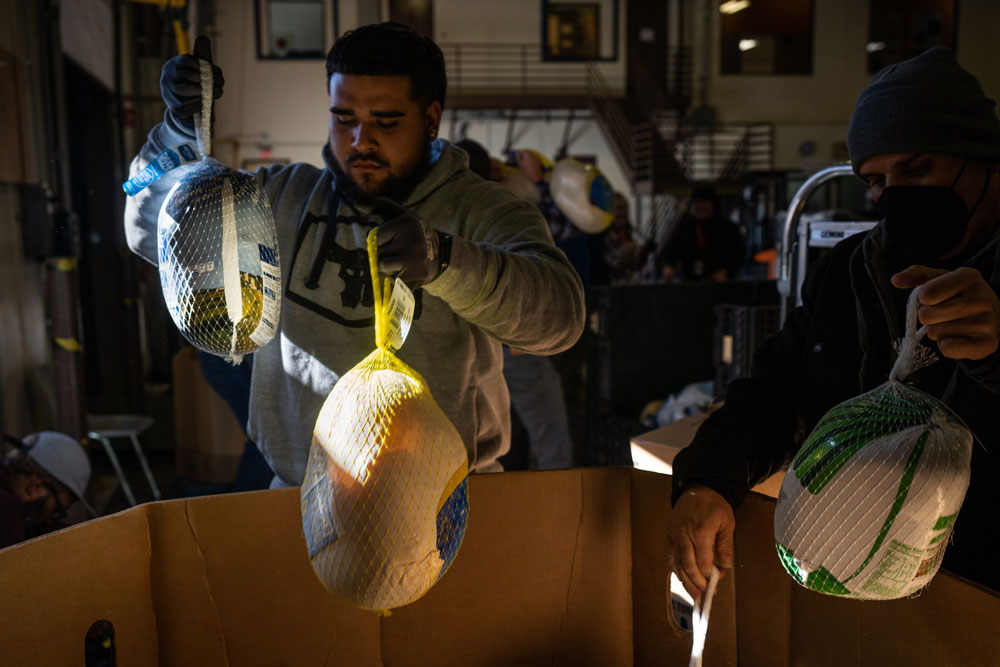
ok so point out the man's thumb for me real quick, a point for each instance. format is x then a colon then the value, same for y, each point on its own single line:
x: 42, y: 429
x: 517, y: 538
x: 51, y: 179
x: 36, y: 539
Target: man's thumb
x: 724, y: 550
x: 914, y: 276
x: 202, y: 48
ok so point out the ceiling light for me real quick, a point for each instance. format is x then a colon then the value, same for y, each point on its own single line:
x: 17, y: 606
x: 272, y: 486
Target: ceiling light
x: 747, y: 44
x: 733, y: 6
x: 874, y: 47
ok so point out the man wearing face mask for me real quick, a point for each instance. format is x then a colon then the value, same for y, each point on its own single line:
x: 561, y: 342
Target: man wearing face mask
x: 483, y: 260
x: 926, y: 141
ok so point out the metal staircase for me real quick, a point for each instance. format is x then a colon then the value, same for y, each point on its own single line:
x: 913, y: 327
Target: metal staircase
x: 656, y: 142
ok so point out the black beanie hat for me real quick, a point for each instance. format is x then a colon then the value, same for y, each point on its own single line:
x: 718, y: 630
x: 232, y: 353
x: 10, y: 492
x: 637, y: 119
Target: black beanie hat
x: 927, y: 104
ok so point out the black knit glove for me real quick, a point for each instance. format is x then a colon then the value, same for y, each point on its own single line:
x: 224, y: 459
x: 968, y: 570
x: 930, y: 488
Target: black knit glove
x: 407, y: 248
x: 180, y: 83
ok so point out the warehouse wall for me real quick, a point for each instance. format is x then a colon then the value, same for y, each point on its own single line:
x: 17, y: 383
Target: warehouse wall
x: 818, y: 107
x: 978, y: 21
x: 87, y: 29
x: 24, y: 343
x: 284, y: 105
x: 281, y: 104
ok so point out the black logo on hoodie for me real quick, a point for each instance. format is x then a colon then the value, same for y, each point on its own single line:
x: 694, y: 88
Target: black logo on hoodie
x: 352, y: 268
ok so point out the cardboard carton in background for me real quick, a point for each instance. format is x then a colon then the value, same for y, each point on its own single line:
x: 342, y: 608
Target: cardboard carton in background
x: 209, y: 439
x: 655, y: 450
x: 564, y: 568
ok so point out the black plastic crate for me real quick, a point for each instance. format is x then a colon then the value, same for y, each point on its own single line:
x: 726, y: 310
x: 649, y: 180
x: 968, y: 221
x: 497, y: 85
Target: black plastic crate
x: 739, y: 331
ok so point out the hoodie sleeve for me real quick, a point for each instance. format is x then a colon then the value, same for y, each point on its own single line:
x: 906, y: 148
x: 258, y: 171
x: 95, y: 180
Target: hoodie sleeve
x: 507, y: 277
x: 142, y: 210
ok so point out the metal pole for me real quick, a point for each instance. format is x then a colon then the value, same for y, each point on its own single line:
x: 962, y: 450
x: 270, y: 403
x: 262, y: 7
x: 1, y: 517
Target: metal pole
x: 795, y: 209
x: 67, y: 349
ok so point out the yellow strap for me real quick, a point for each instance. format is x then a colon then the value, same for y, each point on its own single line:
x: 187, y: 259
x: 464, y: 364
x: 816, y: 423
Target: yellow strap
x: 65, y: 264
x: 183, y: 43
x: 68, y: 344
x: 386, y: 359
x: 380, y: 293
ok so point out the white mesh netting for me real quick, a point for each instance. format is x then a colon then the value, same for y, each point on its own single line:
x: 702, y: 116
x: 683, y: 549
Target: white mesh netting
x: 385, y: 495
x: 867, y: 506
x: 218, y: 259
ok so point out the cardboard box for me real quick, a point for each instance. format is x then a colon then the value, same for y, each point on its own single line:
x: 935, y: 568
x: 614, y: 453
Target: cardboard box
x: 558, y: 568
x: 655, y: 450
x: 209, y: 440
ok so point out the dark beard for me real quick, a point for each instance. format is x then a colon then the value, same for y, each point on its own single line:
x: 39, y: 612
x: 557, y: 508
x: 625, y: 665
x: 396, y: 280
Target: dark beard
x: 33, y: 513
x: 396, y: 187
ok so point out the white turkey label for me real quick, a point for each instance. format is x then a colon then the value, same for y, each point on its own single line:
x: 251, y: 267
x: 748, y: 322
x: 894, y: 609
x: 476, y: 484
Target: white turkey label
x: 401, y: 305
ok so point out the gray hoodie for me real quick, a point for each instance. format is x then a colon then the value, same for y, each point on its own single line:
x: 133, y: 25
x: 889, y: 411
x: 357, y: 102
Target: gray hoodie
x: 506, y: 283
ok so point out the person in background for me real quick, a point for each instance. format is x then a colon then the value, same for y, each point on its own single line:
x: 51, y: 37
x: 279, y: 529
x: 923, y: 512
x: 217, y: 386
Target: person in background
x: 925, y: 139
x: 536, y: 390
x: 622, y: 255
x: 480, y: 261
x: 569, y: 239
x: 581, y: 251
x: 704, y: 246
x: 480, y: 162
x: 42, y: 478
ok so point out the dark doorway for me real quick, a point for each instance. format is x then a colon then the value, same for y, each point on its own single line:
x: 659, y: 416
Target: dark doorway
x: 418, y: 14
x: 901, y: 29
x: 646, y: 37
x: 107, y: 269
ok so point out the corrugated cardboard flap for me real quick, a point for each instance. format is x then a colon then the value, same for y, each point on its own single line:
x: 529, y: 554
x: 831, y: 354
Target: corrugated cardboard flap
x: 55, y: 587
x: 543, y: 577
x: 558, y: 568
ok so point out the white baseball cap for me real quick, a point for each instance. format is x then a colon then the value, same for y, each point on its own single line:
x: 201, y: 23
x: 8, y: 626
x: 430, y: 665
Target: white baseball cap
x: 62, y: 457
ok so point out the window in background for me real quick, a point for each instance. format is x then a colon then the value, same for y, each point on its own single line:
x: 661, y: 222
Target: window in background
x: 577, y: 31
x: 766, y: 36
x: 901, y: 29
x: 418, y: 14
x: 293, y: 29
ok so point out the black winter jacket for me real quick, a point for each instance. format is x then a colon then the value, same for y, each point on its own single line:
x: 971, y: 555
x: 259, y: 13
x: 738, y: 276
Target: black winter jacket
x: 835, y: 346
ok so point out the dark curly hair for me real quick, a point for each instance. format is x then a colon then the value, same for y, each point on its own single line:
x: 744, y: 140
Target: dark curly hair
x: 391, y: 49
x: 23, y: 464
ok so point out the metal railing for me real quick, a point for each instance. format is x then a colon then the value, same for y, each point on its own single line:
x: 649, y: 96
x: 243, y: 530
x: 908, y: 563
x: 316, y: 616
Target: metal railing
x: 633, y: 143
x: 511, y: 69
x: 659, y: 149
x: 754, y: 152
x: 727, y: 152
x: 791, y: 273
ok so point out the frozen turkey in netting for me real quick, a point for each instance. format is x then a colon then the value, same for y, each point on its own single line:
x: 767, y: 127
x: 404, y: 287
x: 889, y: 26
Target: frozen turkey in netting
x: 868, y: 504
x: 385, y: 496
x: 218, y: 260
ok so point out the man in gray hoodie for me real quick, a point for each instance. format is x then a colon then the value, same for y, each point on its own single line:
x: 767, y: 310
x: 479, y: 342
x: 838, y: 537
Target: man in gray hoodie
x: 484, y: 259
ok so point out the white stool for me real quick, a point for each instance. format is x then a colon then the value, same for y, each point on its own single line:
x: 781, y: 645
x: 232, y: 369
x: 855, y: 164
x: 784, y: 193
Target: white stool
x: 106, y: 427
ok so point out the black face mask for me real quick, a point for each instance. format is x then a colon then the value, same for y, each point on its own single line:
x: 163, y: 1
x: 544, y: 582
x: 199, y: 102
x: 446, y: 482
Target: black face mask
x: 923, y: 222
